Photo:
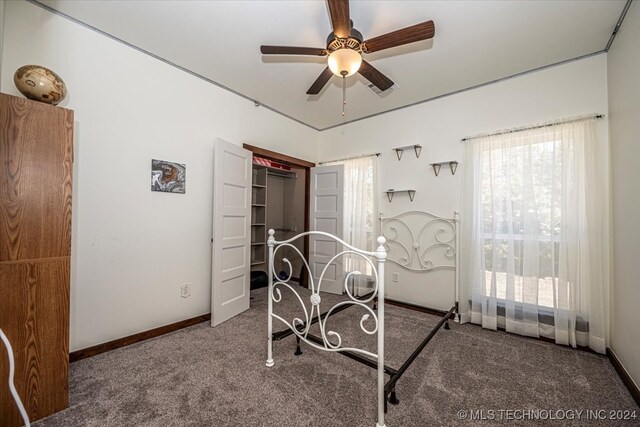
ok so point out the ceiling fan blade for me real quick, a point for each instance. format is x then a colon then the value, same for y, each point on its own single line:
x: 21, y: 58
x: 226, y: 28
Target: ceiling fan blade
x: 292, y: 50
x: 320, y: 82
x: 339, y: 11
x: 369, y: 72
x: 422, y: 31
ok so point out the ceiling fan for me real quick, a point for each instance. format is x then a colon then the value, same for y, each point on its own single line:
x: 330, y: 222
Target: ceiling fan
x: 345, y: 46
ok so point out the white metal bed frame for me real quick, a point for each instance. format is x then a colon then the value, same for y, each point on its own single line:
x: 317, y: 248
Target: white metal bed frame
x: 300, y: 328
x: 413, y: 253
x: 416, y: 252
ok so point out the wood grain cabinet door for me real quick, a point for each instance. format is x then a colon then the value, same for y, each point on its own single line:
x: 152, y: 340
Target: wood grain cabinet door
x: 36, y: 143
x: 35, y: 182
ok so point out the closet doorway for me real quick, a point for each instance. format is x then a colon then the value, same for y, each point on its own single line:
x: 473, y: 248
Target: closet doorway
x: 279, y: 200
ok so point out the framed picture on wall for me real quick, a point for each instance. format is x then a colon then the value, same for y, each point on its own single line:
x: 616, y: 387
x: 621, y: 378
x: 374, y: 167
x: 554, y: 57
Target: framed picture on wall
x: 168, y: 177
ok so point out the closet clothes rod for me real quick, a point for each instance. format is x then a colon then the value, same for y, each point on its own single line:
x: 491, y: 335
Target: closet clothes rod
x: 543, y: 125
x: 359, y: 156
x: 291, y: 175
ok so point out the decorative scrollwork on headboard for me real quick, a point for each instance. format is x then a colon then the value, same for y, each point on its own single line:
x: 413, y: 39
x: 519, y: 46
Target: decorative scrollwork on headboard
x: 421, y: 241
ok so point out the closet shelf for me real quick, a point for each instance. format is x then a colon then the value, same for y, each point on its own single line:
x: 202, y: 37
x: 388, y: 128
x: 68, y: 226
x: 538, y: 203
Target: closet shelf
x: 416, y: 148
x: 272, y: 188
x: 391, y: 192
x: 258, y: 215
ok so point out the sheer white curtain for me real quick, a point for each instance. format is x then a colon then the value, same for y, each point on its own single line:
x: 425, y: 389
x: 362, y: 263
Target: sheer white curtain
x: 535, y: 234
x: 360, y: 212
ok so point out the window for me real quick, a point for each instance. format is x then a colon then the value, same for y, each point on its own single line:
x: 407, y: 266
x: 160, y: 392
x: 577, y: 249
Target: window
x: 534, y: 233
x: 360, y: 209
x: 522, y: 216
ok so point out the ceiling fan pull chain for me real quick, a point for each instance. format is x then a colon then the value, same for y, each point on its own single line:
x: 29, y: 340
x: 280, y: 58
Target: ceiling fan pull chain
x: 344, y: 93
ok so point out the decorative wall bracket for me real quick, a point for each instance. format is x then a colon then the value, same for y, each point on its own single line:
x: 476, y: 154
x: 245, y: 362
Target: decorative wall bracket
x: 416, y: 148
x: 391, y: 192
x: 453, y: 165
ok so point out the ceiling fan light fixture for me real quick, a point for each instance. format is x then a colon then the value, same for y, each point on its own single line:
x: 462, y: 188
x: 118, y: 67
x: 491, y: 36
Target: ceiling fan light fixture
x: 344, y: 62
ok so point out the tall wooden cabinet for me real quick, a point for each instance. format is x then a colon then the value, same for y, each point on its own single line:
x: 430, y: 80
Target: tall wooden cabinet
x: 36, y: 148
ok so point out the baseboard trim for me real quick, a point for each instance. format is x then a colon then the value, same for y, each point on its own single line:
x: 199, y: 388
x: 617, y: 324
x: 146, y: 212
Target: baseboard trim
x: 624, y: 376
x: 84, y: 353
x: 421, y: 309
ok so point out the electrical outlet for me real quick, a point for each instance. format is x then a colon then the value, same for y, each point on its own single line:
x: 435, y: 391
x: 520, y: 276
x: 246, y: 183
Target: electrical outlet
x: 185, y: 290
x: 396, y: 277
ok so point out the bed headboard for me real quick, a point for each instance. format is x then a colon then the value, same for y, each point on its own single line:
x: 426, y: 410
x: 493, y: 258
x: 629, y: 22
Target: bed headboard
x: 421, y: 241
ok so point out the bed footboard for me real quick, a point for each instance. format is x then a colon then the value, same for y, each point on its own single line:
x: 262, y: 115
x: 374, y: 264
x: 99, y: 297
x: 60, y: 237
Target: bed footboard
x: 371, y: 322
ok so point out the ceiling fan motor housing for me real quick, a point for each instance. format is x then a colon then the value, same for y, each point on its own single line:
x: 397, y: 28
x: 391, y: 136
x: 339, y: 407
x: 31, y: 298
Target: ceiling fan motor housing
x: 354, y: 41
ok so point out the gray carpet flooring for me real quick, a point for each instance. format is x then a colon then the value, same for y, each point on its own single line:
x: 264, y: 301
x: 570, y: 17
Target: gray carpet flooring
x: 203, y: 376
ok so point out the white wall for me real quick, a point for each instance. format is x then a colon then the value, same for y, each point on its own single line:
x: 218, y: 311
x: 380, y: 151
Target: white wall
x: 563, y: 91
x: 624, y: 131
x: 2, y: 7
x: 133, y: 248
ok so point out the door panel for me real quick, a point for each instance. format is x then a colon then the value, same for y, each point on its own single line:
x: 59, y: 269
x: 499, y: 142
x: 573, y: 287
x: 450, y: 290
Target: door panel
x: 326, y: 214
x: 231, y: 239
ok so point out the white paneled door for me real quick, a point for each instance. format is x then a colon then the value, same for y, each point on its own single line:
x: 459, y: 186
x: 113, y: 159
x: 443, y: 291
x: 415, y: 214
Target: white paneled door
x: 231, y: 236
x: 326, y: 214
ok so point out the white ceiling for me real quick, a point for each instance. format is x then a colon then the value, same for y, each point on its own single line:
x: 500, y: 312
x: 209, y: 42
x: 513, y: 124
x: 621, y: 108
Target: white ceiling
x: 475, y: 42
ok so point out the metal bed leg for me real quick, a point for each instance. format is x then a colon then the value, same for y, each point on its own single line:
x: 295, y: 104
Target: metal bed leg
x: 446, y: 325
x: 298, y: 351
x: 457, y: 314
x: 393, y: 399
x: 269, y: 363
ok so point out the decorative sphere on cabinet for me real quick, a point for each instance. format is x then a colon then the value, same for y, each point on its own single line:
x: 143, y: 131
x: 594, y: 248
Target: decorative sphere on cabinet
x: 40, y: 84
